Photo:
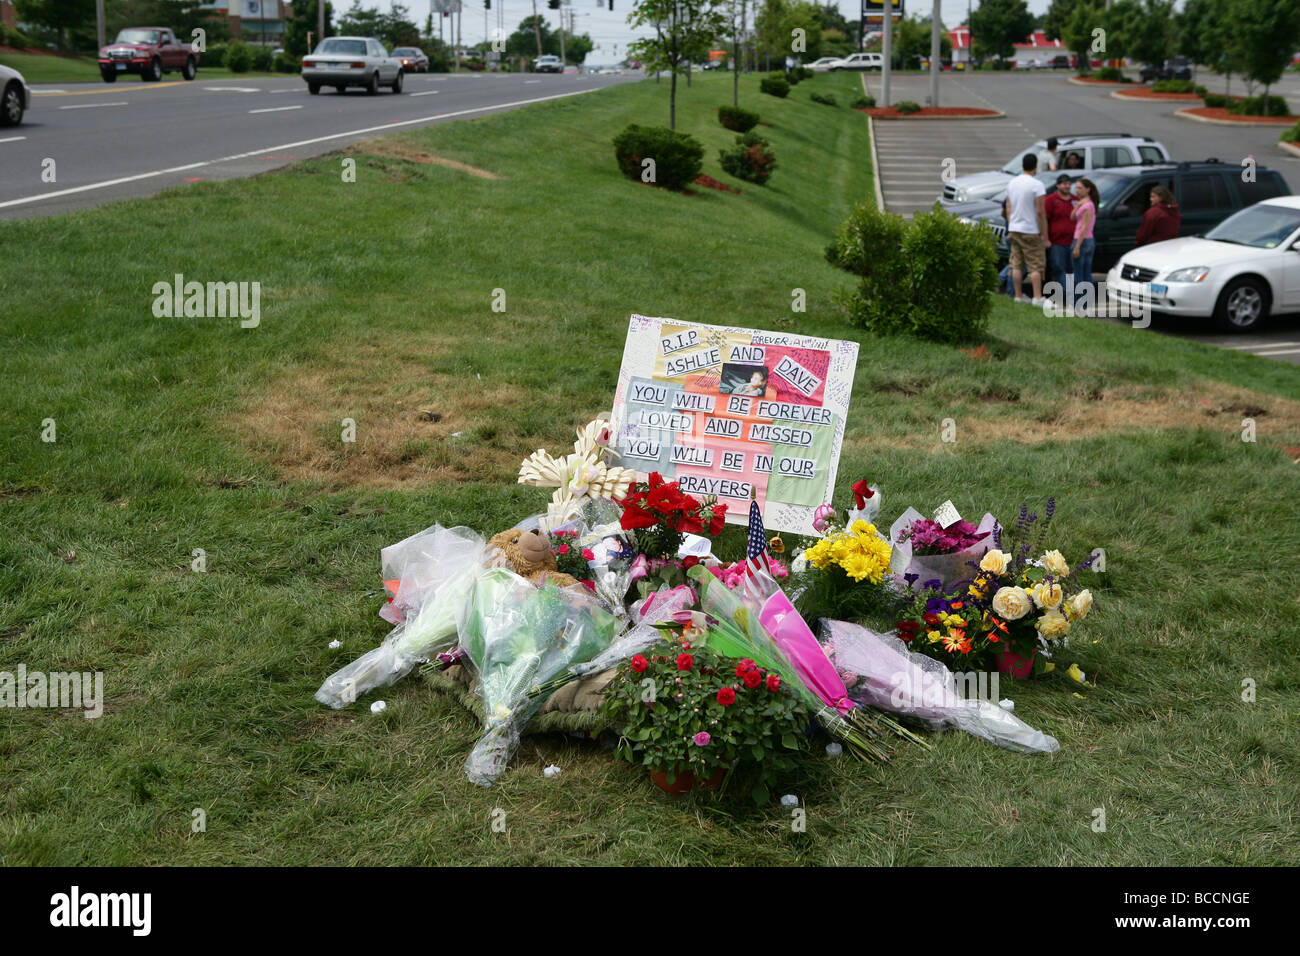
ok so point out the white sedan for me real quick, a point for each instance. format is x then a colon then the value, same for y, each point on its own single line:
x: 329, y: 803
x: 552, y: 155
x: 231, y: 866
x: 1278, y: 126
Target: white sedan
x: 341, y: 62
x: 826, y: 64
x: 15, y: 96
x: 1244, y: 268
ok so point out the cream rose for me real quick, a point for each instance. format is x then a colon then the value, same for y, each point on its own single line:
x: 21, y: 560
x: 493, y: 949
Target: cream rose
x: 1053, y: 625
x: 994, y: 562
x: 1012, y: 603
x: 1055, y: 562
x: 1047, y: 596
x: 1078, y: 606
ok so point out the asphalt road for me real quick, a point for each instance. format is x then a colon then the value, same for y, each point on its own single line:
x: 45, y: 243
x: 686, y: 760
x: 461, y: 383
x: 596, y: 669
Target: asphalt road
x: 112, y: 141
x: 912, y: 154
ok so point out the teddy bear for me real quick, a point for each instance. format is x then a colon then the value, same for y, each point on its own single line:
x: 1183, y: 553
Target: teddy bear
x: 529, y: 555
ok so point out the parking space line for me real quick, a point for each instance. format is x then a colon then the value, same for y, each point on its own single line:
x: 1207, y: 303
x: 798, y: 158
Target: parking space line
x: 12, y: 139
x: 93, y: 106
x: 276, y: 109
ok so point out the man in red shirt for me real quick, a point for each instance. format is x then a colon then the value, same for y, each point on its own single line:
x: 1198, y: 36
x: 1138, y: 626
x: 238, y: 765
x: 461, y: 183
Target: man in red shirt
x: 1060, y: 231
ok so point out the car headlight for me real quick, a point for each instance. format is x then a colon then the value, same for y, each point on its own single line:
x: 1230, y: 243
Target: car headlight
x: 1191, y: 274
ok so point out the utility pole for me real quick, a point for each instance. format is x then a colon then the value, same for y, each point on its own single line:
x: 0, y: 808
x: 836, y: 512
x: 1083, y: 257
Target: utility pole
x: 887, y: 50
x: 934, y: 55
x: 562, y: 60
x: 460, y: 15
x: 320, y: 20
x: 100, y: 36
x: 537, y: 33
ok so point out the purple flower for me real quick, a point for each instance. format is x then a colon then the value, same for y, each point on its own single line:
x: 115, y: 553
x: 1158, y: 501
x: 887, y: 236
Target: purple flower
x: 933, y: 584
x: 910, y: 579
x: 702, y: 738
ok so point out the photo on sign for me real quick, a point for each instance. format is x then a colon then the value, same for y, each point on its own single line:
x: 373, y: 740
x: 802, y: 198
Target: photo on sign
x: 744, y: 380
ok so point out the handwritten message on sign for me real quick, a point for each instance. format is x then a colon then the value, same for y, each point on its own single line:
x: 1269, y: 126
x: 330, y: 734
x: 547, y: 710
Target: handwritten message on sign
x: 729, y: 411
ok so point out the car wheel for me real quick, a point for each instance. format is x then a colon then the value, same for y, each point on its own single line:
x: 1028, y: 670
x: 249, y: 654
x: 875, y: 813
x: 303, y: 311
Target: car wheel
x: 372, y: 86
x: 191, y: 69
x: 153, y: 72
x: 1243, y: 305
x: 110, y: 76
x: 313, y: 88
x: 397, y: 82
x: 11, y: 106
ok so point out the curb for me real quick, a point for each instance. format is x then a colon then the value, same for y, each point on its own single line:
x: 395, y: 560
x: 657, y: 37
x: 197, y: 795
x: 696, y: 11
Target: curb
x: 1169, y: 98
x: 1184, y: 114
x: 992, y: 114
x: 875, y: 166
x: 1290, y: 147
x: 1096, y: 83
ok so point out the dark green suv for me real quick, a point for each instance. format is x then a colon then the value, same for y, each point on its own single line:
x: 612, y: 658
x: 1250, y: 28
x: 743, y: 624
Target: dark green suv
x: 1207, y: 192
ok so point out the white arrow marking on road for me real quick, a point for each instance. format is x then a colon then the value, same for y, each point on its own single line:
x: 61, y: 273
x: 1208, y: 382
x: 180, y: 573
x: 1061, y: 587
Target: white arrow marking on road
x: 276, y: 109
x: 93, y: 106
x: 232, y: 89
x: 12, y: 139
x: 258, y: 152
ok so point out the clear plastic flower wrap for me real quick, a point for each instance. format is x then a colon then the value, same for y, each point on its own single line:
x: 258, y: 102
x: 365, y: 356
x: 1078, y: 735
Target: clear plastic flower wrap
x: 434, y: 572
x: 881, y: 672
x: 951, y: 569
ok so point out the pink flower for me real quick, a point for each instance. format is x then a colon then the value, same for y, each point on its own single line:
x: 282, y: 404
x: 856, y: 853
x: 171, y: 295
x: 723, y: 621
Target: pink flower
x: 702, y: 738
x: 823, y: 514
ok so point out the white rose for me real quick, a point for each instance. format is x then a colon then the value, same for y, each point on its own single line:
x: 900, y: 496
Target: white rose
x: 995, y: 561
x: 1012, y: 603
x: 1047, y: 595
x: 1053, y: 625
x: 1078, y: 606
x: 1055, y: 562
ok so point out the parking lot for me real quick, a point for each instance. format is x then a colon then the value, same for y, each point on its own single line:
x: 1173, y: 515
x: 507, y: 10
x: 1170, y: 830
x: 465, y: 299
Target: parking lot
x: 913, y: 155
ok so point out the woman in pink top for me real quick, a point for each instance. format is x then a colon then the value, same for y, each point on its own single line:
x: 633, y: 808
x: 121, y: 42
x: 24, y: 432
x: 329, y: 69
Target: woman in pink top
x: 1085, y: 217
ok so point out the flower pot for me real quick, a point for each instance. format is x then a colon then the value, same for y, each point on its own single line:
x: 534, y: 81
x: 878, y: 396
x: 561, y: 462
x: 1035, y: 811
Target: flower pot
x: 685, y: 781
x: 1017, y: 665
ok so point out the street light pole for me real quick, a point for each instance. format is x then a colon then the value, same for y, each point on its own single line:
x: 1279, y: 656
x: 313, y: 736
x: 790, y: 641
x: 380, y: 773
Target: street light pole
x: 100, y: 36
x: 934, y: 55
x: 887, y: 25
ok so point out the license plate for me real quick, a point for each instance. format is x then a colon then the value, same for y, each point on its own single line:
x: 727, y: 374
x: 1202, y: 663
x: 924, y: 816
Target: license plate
x: 1157, y: 289
x: 120, y: 66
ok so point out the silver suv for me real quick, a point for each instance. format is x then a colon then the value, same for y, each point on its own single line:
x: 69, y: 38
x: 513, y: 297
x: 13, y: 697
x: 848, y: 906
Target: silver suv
x: 1077, y: 154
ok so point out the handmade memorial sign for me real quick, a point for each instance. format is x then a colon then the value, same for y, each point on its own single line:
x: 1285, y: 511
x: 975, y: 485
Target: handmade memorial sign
x: 728, y: 411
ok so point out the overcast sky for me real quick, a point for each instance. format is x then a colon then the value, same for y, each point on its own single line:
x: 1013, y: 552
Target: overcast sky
x: 608, y: 29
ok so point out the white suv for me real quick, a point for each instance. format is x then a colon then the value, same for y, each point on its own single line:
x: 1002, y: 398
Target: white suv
x: 1076, y: 154
x: 863, y: 61
x: 548, y: 63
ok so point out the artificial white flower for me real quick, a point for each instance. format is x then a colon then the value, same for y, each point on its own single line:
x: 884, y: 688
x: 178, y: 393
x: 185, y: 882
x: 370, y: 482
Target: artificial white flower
x: 789, y: 800
x: 378, y: 707
x: 1007, y: 704
x: 550, y: 771
x: 335, y: 645
x: 834, y: 750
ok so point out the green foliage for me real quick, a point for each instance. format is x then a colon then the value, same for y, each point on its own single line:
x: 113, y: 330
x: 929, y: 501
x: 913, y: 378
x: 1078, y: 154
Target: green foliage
x: 67, y: 21
x: 14, y: 38
x: 1151, y: 29
x: 1218, y: 100
x: 214, y: 56
x: 826, y: 99
x: 737, y: 118
x: 678, y: 158
x: 998, y: 25
x: 864, y: 103
x: 286, y: 63
x: 682, y: 29
x: 1291, y: 135
x: 1177, y: 86
x: 750, y: 158
x: 1268, y: 33
x: 762, y: 727
x: 261, y: 60
x: 799, y: 74
x: 774, y: 86
x: 1111, y: 74
x: 908, y: 107
x: 1260, y: 106
x: 912, y: 40
x: 929, y: 277
x: 303, y: 22
x: 393, y: 26
x: 239, y: 58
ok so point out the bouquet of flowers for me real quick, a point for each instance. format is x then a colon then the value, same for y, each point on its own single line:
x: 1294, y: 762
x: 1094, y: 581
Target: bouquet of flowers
x: 571, y: 557
x: 659, y: 513
x: 845, y: 574
x: 924, y: 549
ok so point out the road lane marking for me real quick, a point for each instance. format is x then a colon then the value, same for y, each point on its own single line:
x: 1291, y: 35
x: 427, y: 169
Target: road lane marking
x: 426, y: 93
x: 1259, y: 345
x: 276, y: 109
x: 142, y: 86
x: 92, y: 106
x: 526, y: 82
x: 232, y: 89
x: 1270, y: 354
x: 12, y: 139
x: 24, y: 200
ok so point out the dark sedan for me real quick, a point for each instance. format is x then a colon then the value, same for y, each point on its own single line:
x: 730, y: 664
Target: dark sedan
x: 413, y: 59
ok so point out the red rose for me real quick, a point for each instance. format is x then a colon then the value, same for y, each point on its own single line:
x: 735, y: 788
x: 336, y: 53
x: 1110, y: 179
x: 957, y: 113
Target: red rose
x: 752, y: 678
x: 861, y: 493
x: 588, y: 554
x: 689, y: 562
x: 685, y: 662
x: 727, y: 696
x: 744, y: 667
x: 634, y: 516
x: 773, y: 682
x: 639, y: 664
x: 718, y: 520
x: 562, y: 549
x: 932, y: 619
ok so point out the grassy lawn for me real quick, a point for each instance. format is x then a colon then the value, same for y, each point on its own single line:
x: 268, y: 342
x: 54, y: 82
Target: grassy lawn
x: 179, y: 434
x: 39, y: 68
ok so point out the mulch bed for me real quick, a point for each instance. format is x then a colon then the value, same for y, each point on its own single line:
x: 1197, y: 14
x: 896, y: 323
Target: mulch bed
x: 1096, y: 82
x: 1221, y: 113
x: 712, y: 183
x: 1143, y: 94
x: 881, y: 112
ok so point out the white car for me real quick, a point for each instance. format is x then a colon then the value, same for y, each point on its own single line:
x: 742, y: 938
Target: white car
x: 341, y: 62
x: 1244, y: 268
x: 15, y: 96
x: 548, y: 63
x: 863, y: 61
x: 827, y: 64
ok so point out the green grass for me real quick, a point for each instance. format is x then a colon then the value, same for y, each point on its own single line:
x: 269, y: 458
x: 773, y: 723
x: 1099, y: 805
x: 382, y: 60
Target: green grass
x: 177, y: 434
x: 39, y: 68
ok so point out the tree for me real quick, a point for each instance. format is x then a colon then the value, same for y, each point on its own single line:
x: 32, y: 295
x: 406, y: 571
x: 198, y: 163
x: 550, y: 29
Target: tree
x: 1196, y: 31
x: 1267, y: 32
x: 912, y: 41
x: 303, y: 22
x: 64, y: 18
x: 396, y: 28
x: 359, y: 21
x: 1072, y: 22
x: 998, y: 25
x: 680, y: 26
x: 1152, y: 36
x: 1123, y: 24
x: 524, y: 41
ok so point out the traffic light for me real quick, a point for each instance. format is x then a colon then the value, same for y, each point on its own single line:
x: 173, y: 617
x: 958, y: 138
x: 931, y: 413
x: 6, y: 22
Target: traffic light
x: 487, y: 4
x: 553, y: 4
x: 611, y: 6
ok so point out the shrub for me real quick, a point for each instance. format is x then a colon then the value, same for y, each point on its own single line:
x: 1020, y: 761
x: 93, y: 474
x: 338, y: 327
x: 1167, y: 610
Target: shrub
x: 826, y: 99
x: 774, y: 86
x: 1217, y: 99
x: 287, y: 63
x: 750, y: 159
x: 1292, y: 135
x: 262, y: 59
x: 239, y: 58
x: 1254, y: 106
x: 1200, y: 91
x: 799, y: 74
x: 1177, y: 86
x: 907, y: 107
x: 864, y: 103
x: 735, y: 118
x: 678, y: 158
x: 1109, y: 73
x: 15, y: 38
x: 930, y: 277
x: 214, y: 55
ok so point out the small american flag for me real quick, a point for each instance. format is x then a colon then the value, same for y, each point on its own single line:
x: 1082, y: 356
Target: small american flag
x: 756, y: 553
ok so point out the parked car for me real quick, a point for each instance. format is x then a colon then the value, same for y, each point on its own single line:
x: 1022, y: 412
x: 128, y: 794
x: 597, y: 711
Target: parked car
x: 827, y: 64
x: 1179, y: 68
x: 148, y: 52
x: 1207, y: 193
x: 1033, y: 63
x: 863, y: 61
x: 341, y: 62
x: 1241, y: 270
x: 413, y: 59
x: 15, y: 96
x: 1061, y: 62
x: 1090, y: 150
x: 548, y: 63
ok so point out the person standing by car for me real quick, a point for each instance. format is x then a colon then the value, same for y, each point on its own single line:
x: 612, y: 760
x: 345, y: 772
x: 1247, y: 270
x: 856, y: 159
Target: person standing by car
x: 1027, y: 228
x: 1162, y: 220
x: 1057, y: 207
x: 1047, y: 160
x: 1085, y: 218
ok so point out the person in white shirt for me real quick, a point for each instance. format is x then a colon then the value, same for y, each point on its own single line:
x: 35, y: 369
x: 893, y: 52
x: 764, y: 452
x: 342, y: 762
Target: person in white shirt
x: 1027, y: 228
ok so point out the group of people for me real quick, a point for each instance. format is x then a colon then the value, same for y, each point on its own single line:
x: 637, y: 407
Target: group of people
x: 1050, y: 234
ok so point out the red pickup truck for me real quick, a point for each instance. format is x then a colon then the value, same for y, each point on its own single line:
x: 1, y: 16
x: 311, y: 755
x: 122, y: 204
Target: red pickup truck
x: 148, y: 51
